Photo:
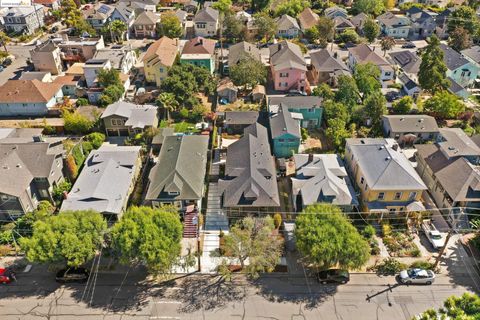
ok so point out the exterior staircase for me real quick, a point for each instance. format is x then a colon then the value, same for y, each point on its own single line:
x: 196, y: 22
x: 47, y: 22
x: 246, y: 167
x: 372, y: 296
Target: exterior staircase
x: 190, y: 222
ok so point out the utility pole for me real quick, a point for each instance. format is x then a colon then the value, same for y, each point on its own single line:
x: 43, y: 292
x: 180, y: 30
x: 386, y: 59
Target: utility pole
x: 442, y: 251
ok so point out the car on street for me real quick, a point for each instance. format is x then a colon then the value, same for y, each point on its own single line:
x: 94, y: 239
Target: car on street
x: 72, y: 275
x: 434, y: 236
x: 333, y: 276
x: 408, y: 45
x: 6, y: 276
x: 417, y: 276
x: 392, y: 96
x: 54, y: 29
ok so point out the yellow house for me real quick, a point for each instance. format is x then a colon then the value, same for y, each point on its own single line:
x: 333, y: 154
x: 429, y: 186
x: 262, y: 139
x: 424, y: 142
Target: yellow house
x: 159, y: 57
x: 384, y: 177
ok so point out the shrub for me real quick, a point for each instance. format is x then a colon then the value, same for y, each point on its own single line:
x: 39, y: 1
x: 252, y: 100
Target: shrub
x: 82, y: 102
x: 304, y: 134
x: 96, y: 139
x: 71, y: 167
x: 390, y: 266
x: 415, y: 252
x: 87, y: 147
x: 386, y: 229
x: 374, y: 247
x: 78, y: 155
x: 76, y: 123
x: 422, y: 264
x: 277, y: 220
x: 183, y: 113
x: 59, y: 189
x: 369, y: 232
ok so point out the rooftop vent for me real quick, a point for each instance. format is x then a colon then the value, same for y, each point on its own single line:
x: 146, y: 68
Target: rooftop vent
x: 388, y: 158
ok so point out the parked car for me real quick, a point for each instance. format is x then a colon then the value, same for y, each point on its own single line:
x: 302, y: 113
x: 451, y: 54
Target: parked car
x: 72, y: 275
x: 409, y: 45
x: 333, y: 276
x: 392, y: 96
x: 434, y: 236
x: 417, y: 276
x: 7, y: 62
x: 54, y: 29
x: 6, y: 276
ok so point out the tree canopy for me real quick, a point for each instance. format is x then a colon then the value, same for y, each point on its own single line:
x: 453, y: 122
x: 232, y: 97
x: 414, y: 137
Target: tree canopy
x: 248, y: 72
x: 326, y: 238
x: 266, y: 25
x: 170, y: 25
x: 367, y: 78
x: 375, y: 107
x: 464, y: 17
x: 149, y: 236
x: 371, y: 30
x: 291, y: 7
x: 347, y: 92
x: 466, y: 307
x: 445, y: 105
x: 432, y: 72
x: 71, y: 237
x: 403, y: 106
x: 73, y: 18
x: 373, y: 7
x: 459, y: 39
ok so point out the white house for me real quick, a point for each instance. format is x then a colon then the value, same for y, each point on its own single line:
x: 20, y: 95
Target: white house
x: 206, y: 22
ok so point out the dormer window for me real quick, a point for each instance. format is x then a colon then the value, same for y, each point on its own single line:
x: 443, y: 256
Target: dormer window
x: 173, y: 193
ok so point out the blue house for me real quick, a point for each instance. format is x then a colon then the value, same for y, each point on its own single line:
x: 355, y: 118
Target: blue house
x: 285, y: 131
x: 459, y: 69
x: 310, y: 107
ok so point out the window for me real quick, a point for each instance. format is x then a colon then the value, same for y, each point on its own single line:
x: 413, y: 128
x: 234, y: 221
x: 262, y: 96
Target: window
x: 175, y: 193
x: 279, y: 84
x: 412, y: 195
x: 392, y: 210
x: 286, y: 84
x: 4, y: 197
x: 281, y: 140
x: 381, y: 195
x: 201, y: 25
x: 311, y: 110
x: 283, y: 74
x: 398, y: 195
x: 362, y: 180
x: 387, y: 74
x: 161, y: 70
x: 114, y: 122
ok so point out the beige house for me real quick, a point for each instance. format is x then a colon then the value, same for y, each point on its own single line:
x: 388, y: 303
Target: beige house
x: 47, y: 57
x: 126, y: 119
x: 145, y: 25
x: 159, y: 57
x: 206, y: 22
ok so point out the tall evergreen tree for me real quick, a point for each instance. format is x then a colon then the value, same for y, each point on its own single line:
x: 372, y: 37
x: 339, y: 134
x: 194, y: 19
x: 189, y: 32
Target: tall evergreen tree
x: 432, y: 74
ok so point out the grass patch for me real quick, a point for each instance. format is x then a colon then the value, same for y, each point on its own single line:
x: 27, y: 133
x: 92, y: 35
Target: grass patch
x: 185, y: 127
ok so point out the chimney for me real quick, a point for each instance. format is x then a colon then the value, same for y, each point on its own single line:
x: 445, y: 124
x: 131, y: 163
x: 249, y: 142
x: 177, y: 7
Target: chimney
x: 279, y: 46
x: 310, y: 157
x: 201, y: 41
x: 395, y: 147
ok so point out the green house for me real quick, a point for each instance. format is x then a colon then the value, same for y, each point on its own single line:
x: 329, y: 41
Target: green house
x: 199, y: 52
x: 310, y: 107
x: 285, y: 131
x: 199, y: 60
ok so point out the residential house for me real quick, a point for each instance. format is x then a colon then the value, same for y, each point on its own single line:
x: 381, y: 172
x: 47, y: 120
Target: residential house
x: 346, y: 3
x: 423, y: 22
x: 410, y: 129
x: 287, y: 27
x: 106, y: 181
x: 190, y: 6
x: 410, y: 86
x: 206, y: 22
x: 385, y: 178
x: 235, y: 122
x: 241, y: 51
x: 322, y: 178
x: 125, y: 13
x: 450, y: 170
x: 394, y: 26
x: 31, y: 166
x: 342, y: 24
x: 250, y: 183
x: 24, y: 20
x: 159, y: 58
x: 442, y: 22
x: 46, y: 57
x: 121, y: 57
x: 362, y: 54
x: 43, y: 76
x: 29, y: 97
x: 77, y: 49
x: 51, y: 4
x: 141, y: 5
x: 459, y: 69
x: 159, y: 138
x: 258, y: 93
x: 335, y: 11
x: 97, y: 14
x: 145, y: 25
x: 226, y: 90
x: 91, y: 69
x: 127, y: 119
x: 310, y: 108
x: 408, y: 64
x: 288, y: 67
x: 178, y: 178
x: 71, y: 85
x: 326, y: 67
x: 308, y: 19
x: 183, y: 18
x: 358, y: 22
x: 285, y: 133
x: 473, y: 55
x: 199, y: 52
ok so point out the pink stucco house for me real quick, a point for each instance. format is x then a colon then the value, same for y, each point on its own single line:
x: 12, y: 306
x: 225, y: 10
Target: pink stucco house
x: 288, y: 67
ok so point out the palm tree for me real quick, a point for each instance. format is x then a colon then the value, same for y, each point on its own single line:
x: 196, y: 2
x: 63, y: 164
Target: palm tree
x: 167, y: 101
x: 117, y: 29
x: 387, y: 43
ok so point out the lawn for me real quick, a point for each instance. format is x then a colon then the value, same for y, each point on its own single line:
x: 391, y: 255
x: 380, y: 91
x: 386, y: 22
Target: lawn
x: 185, y: 127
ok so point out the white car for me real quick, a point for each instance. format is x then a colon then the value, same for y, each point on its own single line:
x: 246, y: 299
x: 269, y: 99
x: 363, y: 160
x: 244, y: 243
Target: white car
x: 417, y: 276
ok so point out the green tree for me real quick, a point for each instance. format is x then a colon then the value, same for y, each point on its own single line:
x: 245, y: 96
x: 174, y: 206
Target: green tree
x: 73, y: 18
x: 234, y: 29
x: 71, y: 237
x: 170, y: 26
x: 337, y: 133
x: 371, y: 30
x: 375, y: 107
x: 459, y: 39
x: 266, y: 25
x: 386, y: 43
x: 326, y: 238
x: 367, y: 77
x: 336, y: 110
x: 259, y: 5
x: 108, y: 77
x: 445, y: 105
x: 167, y: 101
x: 312, y: 34
x: 323, y: 90
x: 76, y: 123
x: 464, y: 17
x: 291, y: 7
x: 248, y: 72
x: 149, y: 236
x: 403, y: 106
x: 4, y: 39
x: 117, y: 29
x: 373, y: 7
x: 347, y: 92
x: 111, y: 94
x: 348, y: 36
x: 254, y: 239
x: 96, y: 139
x: 326, y: 30
x: 466, y: 307
x: 432, y: 73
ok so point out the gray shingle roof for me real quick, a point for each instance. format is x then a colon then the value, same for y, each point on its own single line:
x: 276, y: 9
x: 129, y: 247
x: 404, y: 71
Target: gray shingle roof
x: 324, y: 176
x: 162, y: 133
x: 473, y: 53
x: 294, y: 102
x: 138, y: 116
x: 286, y: 54
x: 406, y: 60
x: 250, y: 175
x: 206, y: 15
x: 287, y: 22
x: 383, y: 167
x: 282, y: 122
x: 456, y: 143
x: 324, y: 61
x: 452, y: 58
x: 105, y: 181
x: 181, y: 168
x: 411, y: 123
x: 241, y: 117
x: 241, y: 50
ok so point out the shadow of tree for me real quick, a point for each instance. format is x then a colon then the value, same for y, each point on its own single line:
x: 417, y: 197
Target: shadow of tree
x: 461, y: 267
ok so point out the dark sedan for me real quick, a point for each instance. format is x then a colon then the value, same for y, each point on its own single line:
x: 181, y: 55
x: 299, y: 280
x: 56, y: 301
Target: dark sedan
x: 333, y: 276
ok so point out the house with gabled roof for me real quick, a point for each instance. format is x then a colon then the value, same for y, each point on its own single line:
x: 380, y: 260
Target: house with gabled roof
x: 206, y: 22
x: 342, y: 24
x: 410, y: 128
x: 408, y: 64
x: 309, y: 107
x: 126, y: 119
x: 178, y: 178
x: 287, y: 27
x: 124, y: 13
x: 97, y: 14
x: 395, y: 26
x: 384, y: 177
x: 423, y: 22
x: 308, y: 19
x: 250, y: 182
x: 460, y: 70
x: 159, y: 58
x: 141, y: 5
x: 106, y: 181
x: 199, y: 52
x: 362, y: 54
x: 145, y: 25
x: 326, y: 67
x: 322, y: 178
x: 473, y: 55
x: 335, y: 11
x: 285, y: 132
x: 242, y: 50
x: 358, y: 22
x: 235, y: 122
x: 288, y: 67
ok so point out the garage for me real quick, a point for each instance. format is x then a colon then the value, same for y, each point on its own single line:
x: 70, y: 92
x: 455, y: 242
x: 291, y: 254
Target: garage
x: 123, y: 132
x: 112, y: 133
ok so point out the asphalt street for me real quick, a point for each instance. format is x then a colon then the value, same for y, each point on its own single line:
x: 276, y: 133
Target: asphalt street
x: 13, y: 71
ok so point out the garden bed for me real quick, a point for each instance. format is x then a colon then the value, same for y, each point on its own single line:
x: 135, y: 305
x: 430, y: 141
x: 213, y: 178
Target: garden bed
x: 399, y: 244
